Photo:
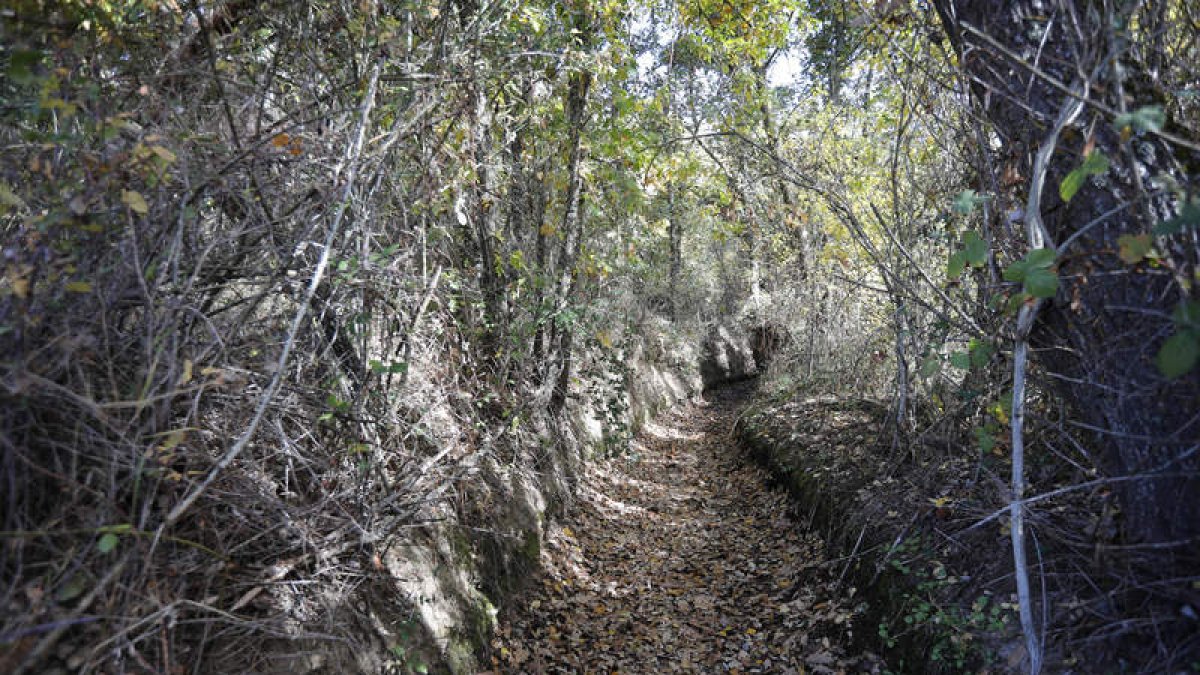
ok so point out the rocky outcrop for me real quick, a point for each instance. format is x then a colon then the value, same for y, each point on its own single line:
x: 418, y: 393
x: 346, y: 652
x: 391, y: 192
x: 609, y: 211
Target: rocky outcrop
x: 662, y: 372
x: 726, y: 356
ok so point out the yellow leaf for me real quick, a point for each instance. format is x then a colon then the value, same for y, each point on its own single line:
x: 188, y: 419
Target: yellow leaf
x: 135, y: 201
x: 547, y: 230
x: 20, y: 287
x: 280, y: 140
x: 174, y: 439
x: 163, y: 153
x: 187, y: 372
x: 10, y: 198
x: 567, y: 532
x: 78, y: 287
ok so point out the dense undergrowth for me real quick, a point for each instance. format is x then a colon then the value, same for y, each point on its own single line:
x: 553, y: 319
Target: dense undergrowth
x: 311, y: 311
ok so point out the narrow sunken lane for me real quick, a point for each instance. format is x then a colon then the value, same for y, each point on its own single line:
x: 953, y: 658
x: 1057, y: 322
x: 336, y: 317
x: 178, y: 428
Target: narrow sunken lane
x: 678, y: 558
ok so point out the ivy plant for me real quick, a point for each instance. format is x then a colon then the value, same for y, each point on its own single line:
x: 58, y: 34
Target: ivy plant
x: 1180, y: 352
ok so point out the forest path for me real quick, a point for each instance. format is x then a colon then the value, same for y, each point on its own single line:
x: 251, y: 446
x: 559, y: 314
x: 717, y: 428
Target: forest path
x: 679, y: 558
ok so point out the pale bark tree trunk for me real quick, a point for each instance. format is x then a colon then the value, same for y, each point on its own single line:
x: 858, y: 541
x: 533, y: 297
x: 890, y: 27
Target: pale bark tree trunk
x: 675, y: 235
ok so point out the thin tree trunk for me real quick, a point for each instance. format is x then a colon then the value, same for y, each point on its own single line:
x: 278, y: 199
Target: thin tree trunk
x: 483, y: 215
x: 577, y: 96
x: 675, y: 234
x: 901, y: 369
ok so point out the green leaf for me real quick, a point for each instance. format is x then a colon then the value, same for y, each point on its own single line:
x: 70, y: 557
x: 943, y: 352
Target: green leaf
x: 1016, y: 271
x: 1071, y: 184
x: 929, y: 367
x: 1133, y: 248
x: 107, y: 542
x: 956, y: 265
x: 1038, y: 259
x: 1002, y: 408
x: 961, y: 360
x: 71, y: 589
x: 1015, y: 302
x: 1178, y: 354
x: 1041, y: 283
x: 985, y: 440
x: 1041, y: 258
x: 336, y: 403
x: 975, y: 248
x: 1146, y: 118
x: 380, y: 368
x: 1095, y: 164
x: 1189, y: 216
x: 21, y: 65
x: 1187, y: 315
x: 981, y: 353
x: 967, y: 200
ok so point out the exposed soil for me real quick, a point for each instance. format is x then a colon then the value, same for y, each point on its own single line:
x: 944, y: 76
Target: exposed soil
x: 679, y: 558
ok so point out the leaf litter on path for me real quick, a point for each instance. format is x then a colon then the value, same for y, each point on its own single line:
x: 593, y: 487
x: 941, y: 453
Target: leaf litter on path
x: 680, y: 558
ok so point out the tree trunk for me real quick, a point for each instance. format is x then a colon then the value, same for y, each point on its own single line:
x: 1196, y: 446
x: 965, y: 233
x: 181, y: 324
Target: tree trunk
x: 484, y: 214
x: 1109, y: 319
x: 675, y: 234
x: 577, y: 96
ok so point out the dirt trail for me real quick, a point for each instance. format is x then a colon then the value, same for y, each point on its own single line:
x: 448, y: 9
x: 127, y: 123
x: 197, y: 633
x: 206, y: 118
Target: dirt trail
x: 678, y: 558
